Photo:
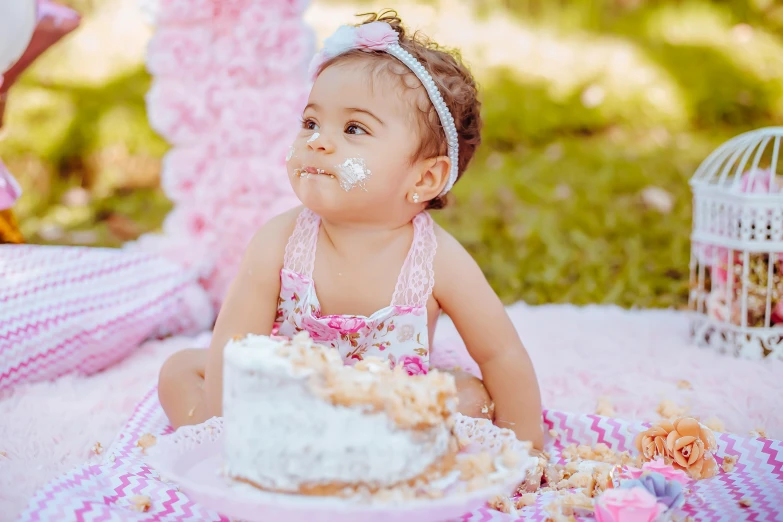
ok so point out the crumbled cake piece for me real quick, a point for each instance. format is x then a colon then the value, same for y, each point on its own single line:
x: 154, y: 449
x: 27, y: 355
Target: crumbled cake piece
x: 528, y: 499
x: 97, y: 448
x: 745, y: 502
x: 503, y: 504
x: 669, y: 410
x: 575, y: 500
x: 140, y: 503
x: 553, y: 474
x: 604, y: 407
x: 729, y: 461
x: 554, y: 434
x: 146, y: 441
x: 759, y: 433
x: 3, y: 454
x: 684, y: 385
x: 411, y: 402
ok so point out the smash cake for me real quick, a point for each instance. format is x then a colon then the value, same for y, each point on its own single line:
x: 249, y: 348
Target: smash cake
x: 297, y: 420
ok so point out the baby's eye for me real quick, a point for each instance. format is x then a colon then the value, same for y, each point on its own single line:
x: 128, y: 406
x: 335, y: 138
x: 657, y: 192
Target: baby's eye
x: 309, y: 125
x: 353, y: 128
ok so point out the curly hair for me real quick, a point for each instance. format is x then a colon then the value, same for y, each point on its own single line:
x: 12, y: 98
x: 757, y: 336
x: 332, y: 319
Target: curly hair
x: 453, y: 79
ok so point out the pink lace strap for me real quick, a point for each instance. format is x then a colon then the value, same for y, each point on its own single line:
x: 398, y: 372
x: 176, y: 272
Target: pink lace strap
x: 417, y: 277
x: 300, y: 250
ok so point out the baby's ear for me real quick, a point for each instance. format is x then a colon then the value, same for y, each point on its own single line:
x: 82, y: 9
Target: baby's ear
x: 433, y: 178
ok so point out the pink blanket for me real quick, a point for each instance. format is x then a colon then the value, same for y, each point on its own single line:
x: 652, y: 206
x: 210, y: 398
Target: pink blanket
x: 106, y: 491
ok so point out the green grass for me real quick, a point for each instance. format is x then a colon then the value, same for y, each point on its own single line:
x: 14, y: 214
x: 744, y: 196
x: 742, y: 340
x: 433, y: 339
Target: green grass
x: 552, y: 207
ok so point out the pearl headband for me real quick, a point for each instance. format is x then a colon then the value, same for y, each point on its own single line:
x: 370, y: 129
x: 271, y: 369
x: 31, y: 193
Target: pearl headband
x: 379, y: 36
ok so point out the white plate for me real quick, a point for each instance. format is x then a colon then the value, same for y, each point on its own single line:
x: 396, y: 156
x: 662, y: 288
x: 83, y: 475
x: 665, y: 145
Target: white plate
x: 192, y: 458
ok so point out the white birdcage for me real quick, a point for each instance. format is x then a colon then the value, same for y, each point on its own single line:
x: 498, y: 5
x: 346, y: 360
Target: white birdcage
x: 736, y: 269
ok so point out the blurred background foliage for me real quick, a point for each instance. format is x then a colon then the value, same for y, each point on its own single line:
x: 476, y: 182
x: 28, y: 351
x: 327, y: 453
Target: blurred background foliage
x: 596, y: 114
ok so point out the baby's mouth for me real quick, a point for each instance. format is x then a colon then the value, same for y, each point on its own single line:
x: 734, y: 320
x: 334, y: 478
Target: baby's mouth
x: 306, y: 172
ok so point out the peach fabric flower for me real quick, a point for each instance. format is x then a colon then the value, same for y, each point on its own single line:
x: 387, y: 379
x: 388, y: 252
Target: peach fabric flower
x: 627, y: 505
x: 685, y: 444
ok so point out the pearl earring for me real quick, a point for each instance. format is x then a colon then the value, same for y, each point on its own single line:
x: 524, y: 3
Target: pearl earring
x: 415, y: 197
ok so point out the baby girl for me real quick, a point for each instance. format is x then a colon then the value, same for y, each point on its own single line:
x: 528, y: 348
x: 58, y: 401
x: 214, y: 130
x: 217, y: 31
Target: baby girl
x: 391, y: 124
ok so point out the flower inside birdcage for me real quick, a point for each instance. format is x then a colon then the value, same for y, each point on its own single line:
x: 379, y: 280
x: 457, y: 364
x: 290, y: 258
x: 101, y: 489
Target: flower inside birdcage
x: 737, y: 247
x: 726, y: 284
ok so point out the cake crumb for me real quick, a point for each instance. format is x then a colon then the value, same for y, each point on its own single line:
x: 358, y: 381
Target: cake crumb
x: 669, y: 410
x: 191, y: 411
x: 604, y: 407
x: 146, y: 441
x: 555, y: 435
x: 3, y: 454
x: 728, y: 463
x: 759, y: 433
x: 684, y: 385
x: 745, y: 502
x: 97, y: 448
x: 528, y: 499
x: 715, y: 424
x: 140, y: 503
x: 503, y: 504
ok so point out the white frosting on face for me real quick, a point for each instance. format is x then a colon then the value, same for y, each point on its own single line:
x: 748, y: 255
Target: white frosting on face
x: 353, y: 172
x: 281, y: 435
x: 290, y: 154
x: 314, y: 137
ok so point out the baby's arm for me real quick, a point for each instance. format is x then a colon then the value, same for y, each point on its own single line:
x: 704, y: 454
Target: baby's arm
x: 250, y: 305
x: 481, y: 319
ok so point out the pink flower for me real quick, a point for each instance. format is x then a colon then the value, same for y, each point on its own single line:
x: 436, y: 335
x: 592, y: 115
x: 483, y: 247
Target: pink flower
x: 180, y: 51
x: 346, y: 325
x: 412, y: 364
x: 184, y: 11
x: 183, y: 170
x: 9, y: 188
x: 777, y: 313
x: 179, y: 110
x: 375, y: 36
x: 760, y: 181
x: 627, y: 505
x: 664, y: 469
x: 319, y: 331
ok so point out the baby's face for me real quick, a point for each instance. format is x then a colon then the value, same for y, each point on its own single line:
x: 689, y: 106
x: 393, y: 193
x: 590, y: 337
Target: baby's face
x: 352, y: 157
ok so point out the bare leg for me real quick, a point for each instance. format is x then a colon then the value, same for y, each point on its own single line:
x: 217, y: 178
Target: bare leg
x: 181, y: 387
x: 474, y: 400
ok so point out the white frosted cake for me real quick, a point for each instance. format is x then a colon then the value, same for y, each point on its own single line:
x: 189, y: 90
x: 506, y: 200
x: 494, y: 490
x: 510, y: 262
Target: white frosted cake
x: 297, y: 420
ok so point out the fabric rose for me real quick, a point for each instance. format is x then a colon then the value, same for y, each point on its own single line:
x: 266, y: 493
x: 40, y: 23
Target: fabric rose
x: 375, y: 36
x: 413, y: 365
x: 627, y: 505
x: 667, y: 492
x: 346, y: 325
x: 659, y: 466
x: 684, y: 443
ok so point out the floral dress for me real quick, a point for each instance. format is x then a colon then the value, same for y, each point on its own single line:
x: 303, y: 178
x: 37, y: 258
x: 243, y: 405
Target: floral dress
x: 398, y: 333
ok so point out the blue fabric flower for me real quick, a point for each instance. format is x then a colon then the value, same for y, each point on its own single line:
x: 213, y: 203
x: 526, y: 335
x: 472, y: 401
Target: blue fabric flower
x: 668, y: 492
